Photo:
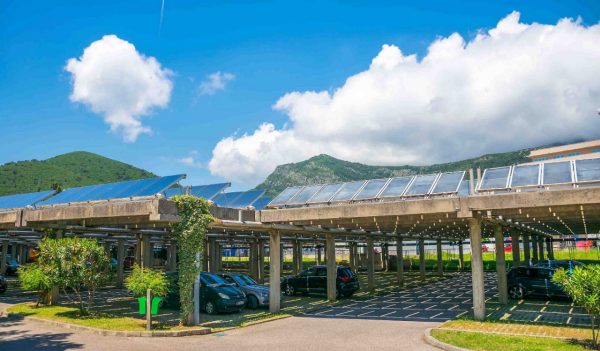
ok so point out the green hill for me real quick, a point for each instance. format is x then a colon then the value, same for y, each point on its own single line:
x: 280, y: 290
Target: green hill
x: 326, y: 169
x: 67, y: 170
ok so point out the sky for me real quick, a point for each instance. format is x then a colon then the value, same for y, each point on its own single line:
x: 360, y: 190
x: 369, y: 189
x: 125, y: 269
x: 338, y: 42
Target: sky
x: 227, y: 90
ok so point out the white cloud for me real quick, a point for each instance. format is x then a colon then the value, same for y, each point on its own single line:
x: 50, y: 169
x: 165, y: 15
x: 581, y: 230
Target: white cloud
x: 215, y: 82
x: 516, y: 85
x: 191, y: 160
x: 121, y: 84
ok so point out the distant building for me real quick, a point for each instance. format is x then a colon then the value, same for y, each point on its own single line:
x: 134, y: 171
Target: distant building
x: 586, y: 149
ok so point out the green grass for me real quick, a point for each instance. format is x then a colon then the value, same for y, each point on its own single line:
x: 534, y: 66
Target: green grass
x: 494, y: 342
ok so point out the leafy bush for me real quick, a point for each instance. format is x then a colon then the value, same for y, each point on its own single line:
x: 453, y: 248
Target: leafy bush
x: 142, y: 279
x: 583, y: 285
x: 32, y: 277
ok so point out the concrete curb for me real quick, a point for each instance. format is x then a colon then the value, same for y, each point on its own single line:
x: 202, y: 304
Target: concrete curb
x: 441, y: 345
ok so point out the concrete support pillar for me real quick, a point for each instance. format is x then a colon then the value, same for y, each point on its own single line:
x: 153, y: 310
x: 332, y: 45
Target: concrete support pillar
x: 3, y: 258
x: 281, y: 255
x: 213, y: 259
x: 534, y: 246
x: 219, y: 257
x: 501, y: 265
x: 422, y: 258
x: 440, y: 261
x: 24, y: 254
x: 261, y: 262
x: 352, y: 256
x: 461, y: 257
x: 205, y: 254
x: 13, y: 251
x: 370, y: 266
x: 252, y: 260
x: 477, y: 269
x: 172, y: 257
x: 516, y: 252
x: 295, y: 257
x: 541, y: 255
x: 384, y: 257
x: 331, y: 267
x: 146, y: 252
x: 300, y: 256
x: 319, y: 260
x: 274, y: 271
x: 526, y: 250
x: 120, y: 259
x: 107, y: 248
x: 550, y: 247
x: 399, y: 262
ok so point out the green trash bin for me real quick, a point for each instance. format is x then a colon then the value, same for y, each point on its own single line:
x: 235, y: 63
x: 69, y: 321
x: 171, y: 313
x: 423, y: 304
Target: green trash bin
x: 154, y: 305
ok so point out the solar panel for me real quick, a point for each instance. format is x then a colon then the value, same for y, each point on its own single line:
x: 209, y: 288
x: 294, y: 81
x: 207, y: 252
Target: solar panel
x: 448, y: 183
x: 464, y: 189
x: 23, y: 200
x: 525, y: 175
x: 246, y: 199
x: 209, y: 191
x: 588, y: 170
x: 396, y: 187
x: 304, y: 195
x: 371, y: 189
x: 285, y: 196
x: 174, y: 191
x: 421, y: 185
x: 224, y: 199
x: 120, y: 190
x: 557, y: 173
x: 495, y: 178
x: 261, y: 203
x: 348, y: 190
x: 326, y: 192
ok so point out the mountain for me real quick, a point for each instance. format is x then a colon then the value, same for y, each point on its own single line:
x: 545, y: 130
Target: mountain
x: 326, y: 169
x: 67, y: 170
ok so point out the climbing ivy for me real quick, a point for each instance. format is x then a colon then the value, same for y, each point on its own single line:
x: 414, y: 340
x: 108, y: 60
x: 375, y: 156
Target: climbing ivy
x: 194, y: 217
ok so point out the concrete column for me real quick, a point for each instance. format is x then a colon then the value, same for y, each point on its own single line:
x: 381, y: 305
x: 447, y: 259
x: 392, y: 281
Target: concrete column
x: 300, y: 248
x: 319, y: 260
x: 24, y: 253
x: 526, y: 250
x: 172, y: 261
x: 146, y: 252
x: 120, y: 259
x: 107, y: 248
x: 384, y: 256
x: 477, y: 269
x: 138, y: 250
x: 370, y: 266
x: 352, y: 256
x: 550, y: 247
x: 516, y: 253
x: 541, y: 255
x: 261, y: 262
x: 331, y: 267
x: 440, y: 261
x: 13, y: 251
x: 205, y: 254
x: 399, y: 262
x: 252, y: 260
x: 295, y: 257
x: 4, y: 254
x: 500, y: 265
x: 461, y: 257
x: 274, y: 271
x: 422, y: 258
x: 281, y: 255
x: 534, y: 246
x: 213, y: 262
x: 219, y: 257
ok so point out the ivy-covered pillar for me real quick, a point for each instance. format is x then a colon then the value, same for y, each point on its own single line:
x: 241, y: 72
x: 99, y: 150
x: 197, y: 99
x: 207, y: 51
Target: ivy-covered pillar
x: 274, y: 271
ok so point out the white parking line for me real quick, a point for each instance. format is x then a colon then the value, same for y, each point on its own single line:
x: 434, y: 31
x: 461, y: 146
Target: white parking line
x: 432, y: 317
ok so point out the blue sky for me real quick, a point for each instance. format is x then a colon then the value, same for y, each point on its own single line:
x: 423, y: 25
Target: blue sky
x: 271, y: 47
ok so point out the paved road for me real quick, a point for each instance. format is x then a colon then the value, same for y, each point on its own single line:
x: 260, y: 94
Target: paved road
x: 296, y: 333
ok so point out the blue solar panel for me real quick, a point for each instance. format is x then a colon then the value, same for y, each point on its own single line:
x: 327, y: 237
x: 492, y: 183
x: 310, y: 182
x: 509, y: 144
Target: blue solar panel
x: 261, y: 203
x: 121, y: 190
x: 246, y: 199
x: 225, y: 198
x: 208, y: 192
x: 23, y: 200
x: 174, y: 191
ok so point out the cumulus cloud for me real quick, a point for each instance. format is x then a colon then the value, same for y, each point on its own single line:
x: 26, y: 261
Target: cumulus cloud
x: 514, y: 86
x: 215, y: 82
x: 191, y: 160
x: 121, y: 84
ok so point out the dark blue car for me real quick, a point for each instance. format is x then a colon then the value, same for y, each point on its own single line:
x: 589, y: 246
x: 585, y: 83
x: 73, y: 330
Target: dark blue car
x: 533, y: 281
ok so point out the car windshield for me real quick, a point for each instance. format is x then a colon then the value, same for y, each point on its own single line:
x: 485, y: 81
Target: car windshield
x: 213, y: 279
x: 246, y: 280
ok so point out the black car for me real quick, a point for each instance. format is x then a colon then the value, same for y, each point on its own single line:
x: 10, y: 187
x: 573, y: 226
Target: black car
x: 216, y: 295
x: 566, y: 264
x: 314, y: 280
x: 533, y: 281
x: 3, y: 284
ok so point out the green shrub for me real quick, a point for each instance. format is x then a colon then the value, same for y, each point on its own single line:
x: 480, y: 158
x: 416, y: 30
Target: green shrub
x: 142, y: 279
x: 32, y: 277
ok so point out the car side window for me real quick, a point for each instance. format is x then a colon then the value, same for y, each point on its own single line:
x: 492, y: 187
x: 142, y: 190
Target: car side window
x: 307, y: 273
x: 321, y: 272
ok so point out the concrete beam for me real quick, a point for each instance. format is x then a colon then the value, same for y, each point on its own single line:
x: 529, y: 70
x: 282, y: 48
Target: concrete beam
x: 501, y: 265
x: 331, y: 268
x: 477, y: 269
x: 274, y: 272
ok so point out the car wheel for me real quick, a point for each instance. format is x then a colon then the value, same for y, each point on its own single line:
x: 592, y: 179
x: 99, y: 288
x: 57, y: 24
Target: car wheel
x: 289, y: 290
x: 210, y: 307
x: 516, y: 292
x: 252, y: 302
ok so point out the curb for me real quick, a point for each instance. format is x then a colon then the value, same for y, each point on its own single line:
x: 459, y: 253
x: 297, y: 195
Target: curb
x: 441, y: 345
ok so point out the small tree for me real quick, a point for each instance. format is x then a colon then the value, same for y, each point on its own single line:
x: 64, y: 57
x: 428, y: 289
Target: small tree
x: 32, y: 277
x: 76, y: 265
x: 142, y: 279
x: 583, y: 285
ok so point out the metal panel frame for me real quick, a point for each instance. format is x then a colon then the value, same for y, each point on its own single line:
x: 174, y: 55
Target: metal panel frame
x: 283, y: 204
x: 291, y: 203
x: 310, y: 202
x: 462, y: 177
x: 435, y: 180
x: 571, y: 170
x: 512, y: 173
x: 406, y: 187
x: 576, y: 178
x: 508, y: 178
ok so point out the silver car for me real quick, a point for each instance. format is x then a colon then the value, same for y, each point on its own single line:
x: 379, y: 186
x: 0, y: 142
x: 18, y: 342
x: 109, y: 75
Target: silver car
x: 256, y: 294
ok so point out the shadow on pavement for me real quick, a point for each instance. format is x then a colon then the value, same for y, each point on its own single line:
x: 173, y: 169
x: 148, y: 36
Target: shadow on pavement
x: 14, y: 337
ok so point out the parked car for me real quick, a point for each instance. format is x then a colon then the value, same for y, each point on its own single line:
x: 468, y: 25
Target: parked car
x: 216, y: 295
x: 3, y: 284
x: 256, y: 294
x: 533, y: 281
x: 11, y: 265
x: 314, y: 280
x: 566, y: 264
x: 128, y: 262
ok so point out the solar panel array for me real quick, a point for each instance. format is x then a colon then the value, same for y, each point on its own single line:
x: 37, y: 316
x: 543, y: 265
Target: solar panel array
x: 23, y: 200
x: 238, y: 199
x: 541, y: 175
x: 120, y: 190
x: 208, y: 192
x: 373, y: 189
